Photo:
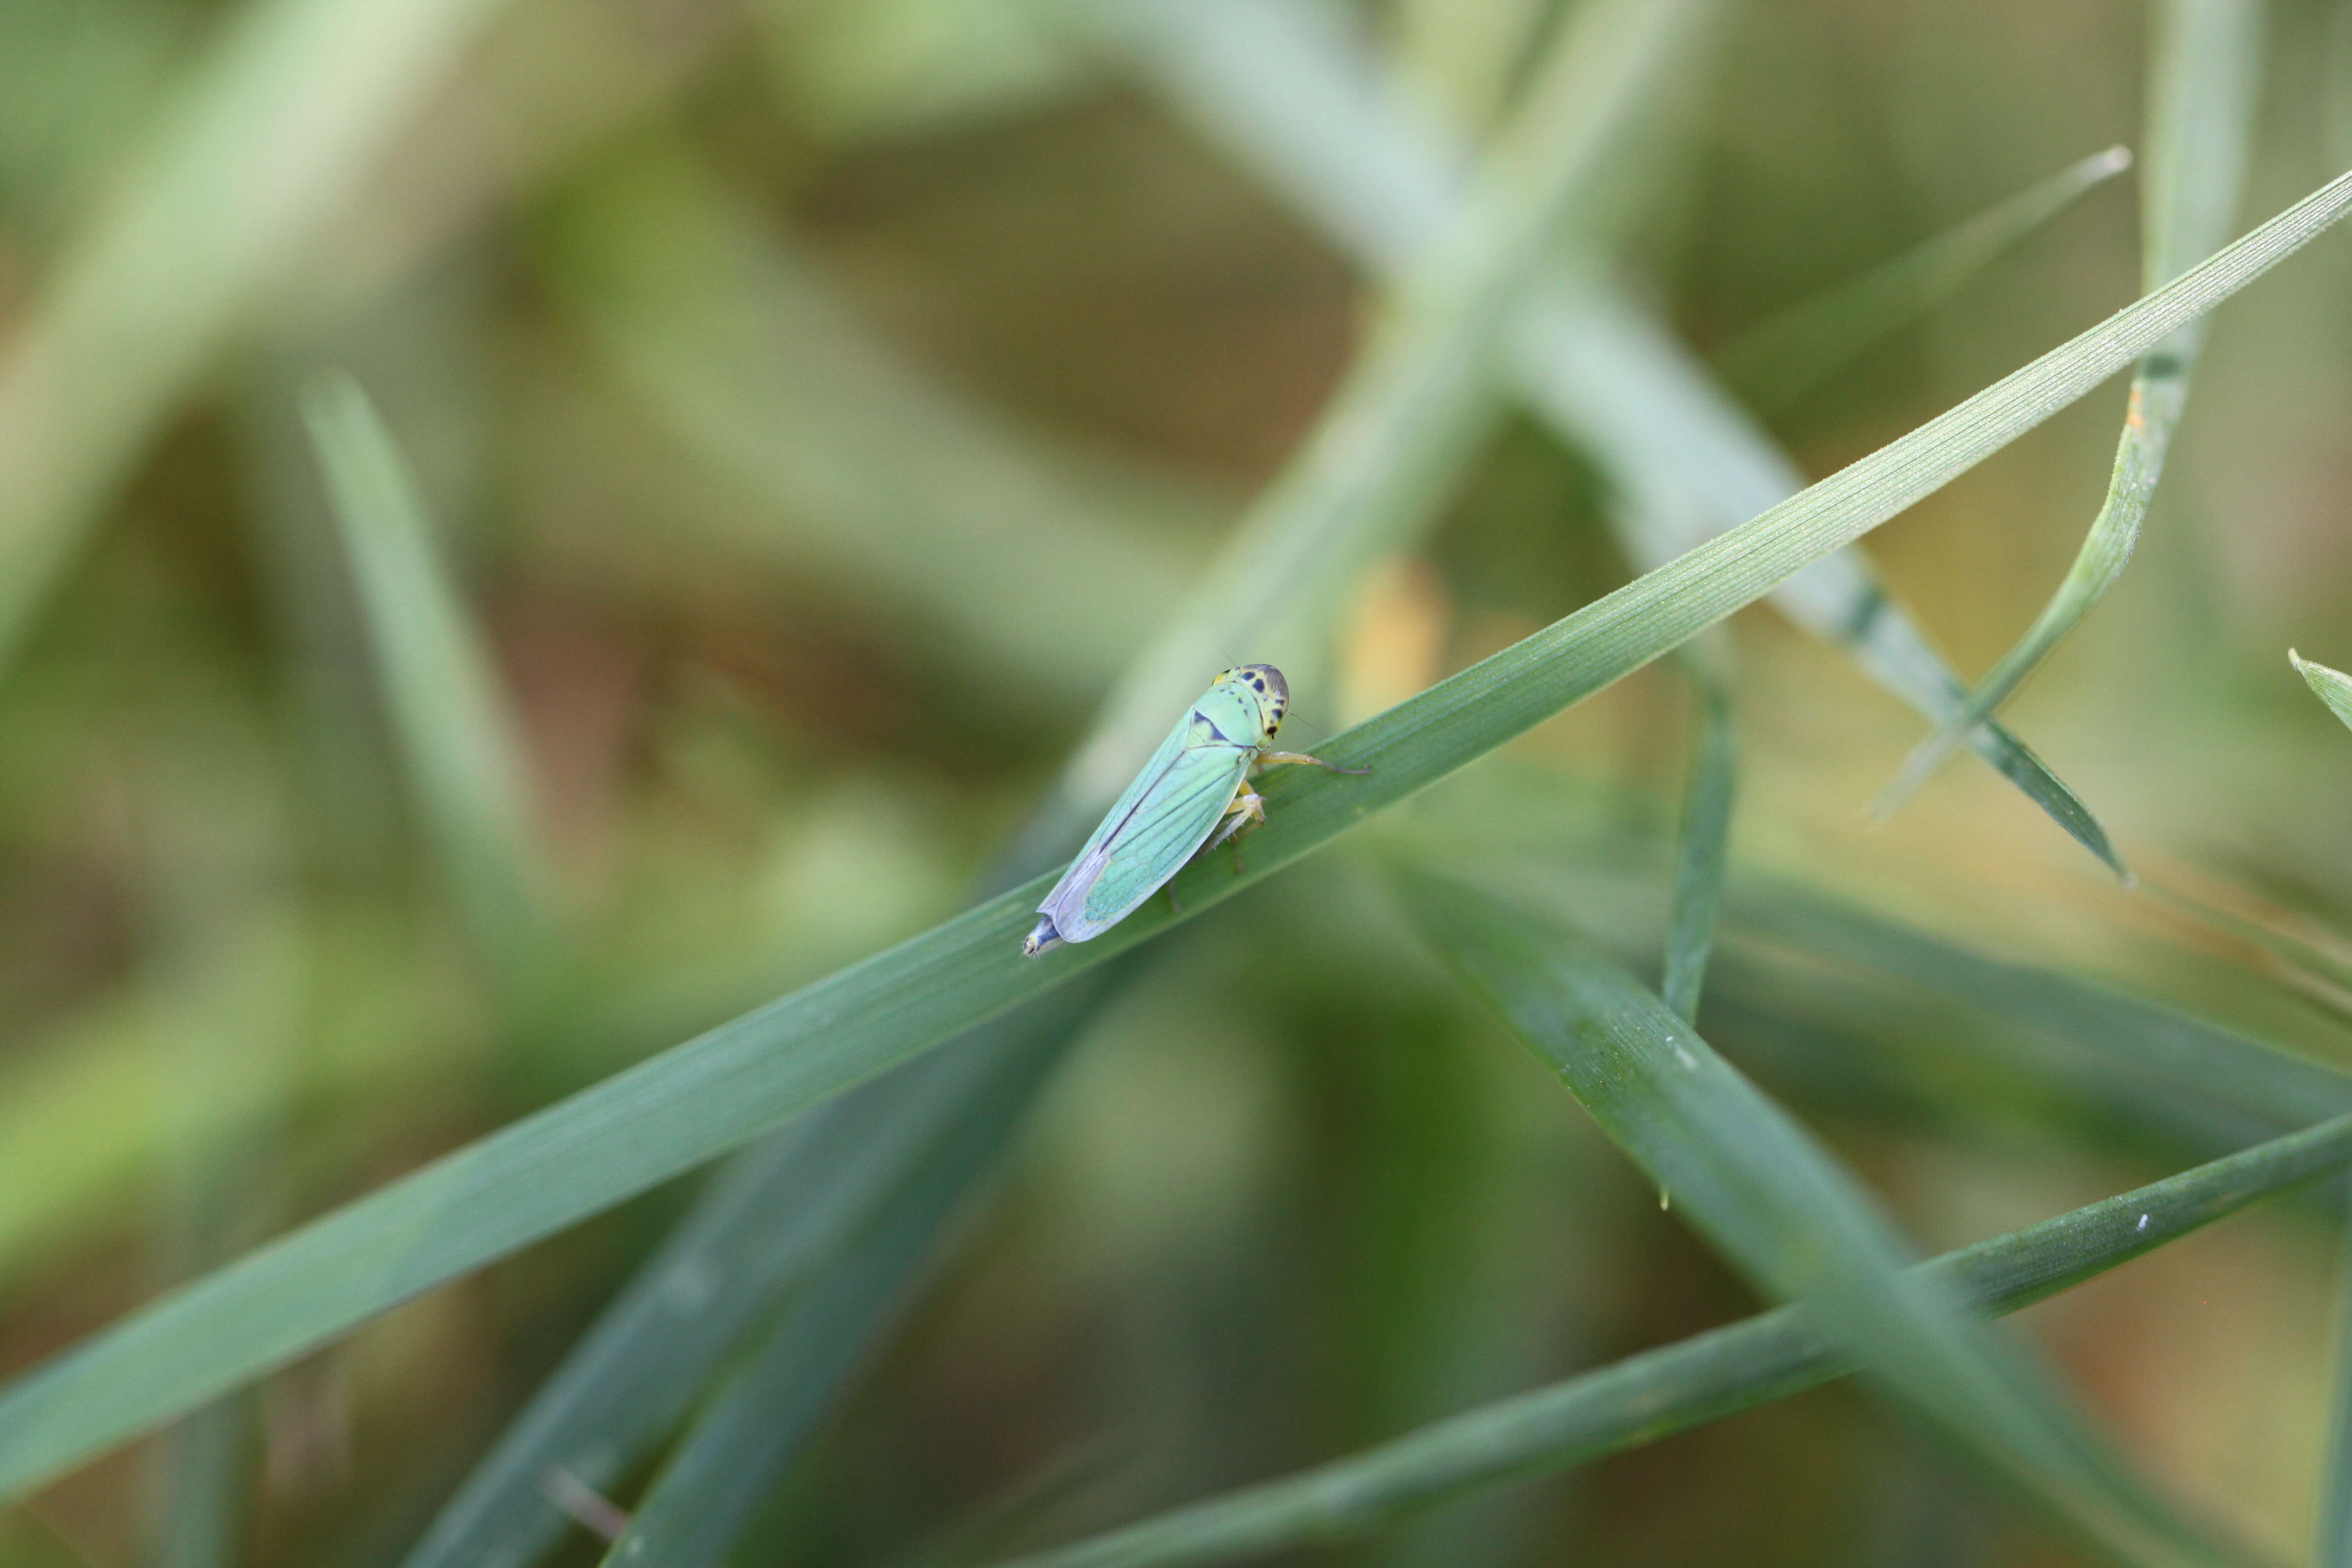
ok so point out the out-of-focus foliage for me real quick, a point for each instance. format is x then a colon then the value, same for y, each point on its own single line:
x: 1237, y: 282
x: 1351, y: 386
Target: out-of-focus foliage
x: 533, y: 529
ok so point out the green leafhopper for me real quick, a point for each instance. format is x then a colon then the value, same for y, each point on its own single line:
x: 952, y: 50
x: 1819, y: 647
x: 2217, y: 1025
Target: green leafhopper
x: 1195, y: 779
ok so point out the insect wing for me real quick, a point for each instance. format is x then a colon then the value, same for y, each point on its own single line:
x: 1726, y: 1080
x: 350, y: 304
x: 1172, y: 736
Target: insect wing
x: 1151, y: 775
x: 1173, y: 819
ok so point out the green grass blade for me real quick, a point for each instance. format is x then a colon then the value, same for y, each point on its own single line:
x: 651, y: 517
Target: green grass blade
x: 876, y: 474
x: 2334, y: 1546
x: 1288, y: 94
x: 781, y: 1216
x: 2332, y: 686
x: 1785, y: 1213
x: 218, y: 1181
x: 2206, y: 77
x: 276, y: 125
x: 1703, y: 847
x: 1602, y: 368
x: 724, y: 1468
x: 461, y: 742
x: 1659, y: 1392
x: 685, y: 1105
x: 2128, y: 1038
x: 1777, y: 362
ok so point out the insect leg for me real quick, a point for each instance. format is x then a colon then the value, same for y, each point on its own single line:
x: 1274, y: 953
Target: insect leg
x: 1276, y: 758
x: 1248, y: 807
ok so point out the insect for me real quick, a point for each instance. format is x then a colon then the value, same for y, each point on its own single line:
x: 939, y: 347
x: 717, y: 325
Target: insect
x: 1197, y: 778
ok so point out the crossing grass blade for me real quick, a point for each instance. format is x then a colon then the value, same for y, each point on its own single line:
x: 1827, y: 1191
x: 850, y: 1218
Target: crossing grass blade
x: 2334, y: 1546
x: 1703, y: 847
x: 1786, y: 1213
x: 1405, y: 421
x: 2127, y: 1038
x: 1777, y: 362
x: 1292, y: 96
x: 776, y: 1223
x: 1600, y: 366
x: 722, y: 1471
x: 2201, y: 99
x: 277, y: 124
x: 2332, y: 686
x: 461, y: 742
x: 681, y: 1107
x: 1650, y: 1396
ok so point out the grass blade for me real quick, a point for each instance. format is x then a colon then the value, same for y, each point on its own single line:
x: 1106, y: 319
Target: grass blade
x: 1785, y: 1213
x: 2334, y: 1546
x: 1289, y: 95
x: 2207, y: 73
x: 725, y: 1466
x: 685, y: 1105
x: 1711, y: 1376
x: 2335, y: 1549
x: 1704, y: 844
x: 276, y: 125
x: 778, y: 1218
x: 1777, y: 362
x: 2332, y: 686
x: 461, y: 742
x: 2128, y: 1038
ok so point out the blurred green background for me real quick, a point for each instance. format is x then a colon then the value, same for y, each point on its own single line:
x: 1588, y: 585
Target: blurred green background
x: 815, y: 404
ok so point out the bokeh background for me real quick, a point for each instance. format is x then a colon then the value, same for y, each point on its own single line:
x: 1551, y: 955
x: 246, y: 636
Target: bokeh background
x: 815, y: 402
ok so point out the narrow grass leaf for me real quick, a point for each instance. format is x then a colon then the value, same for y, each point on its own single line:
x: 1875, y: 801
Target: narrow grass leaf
x: 2334, y: 1546
x: 2335, y: 1549
x: 1702, y: 845
x: 1657, y: 1393
x: 2206, y: 77
x: 1292, y: 96
x: 779, y: 1219
x: 1784, y: 1211
x: 459, y: 740
x: 1777, y: 362
x: 261, y: 147
x: 2332, y: 686
x: 218, y: 1186
x: 2134, y: 1038
x: 1600, y: 366
x: 682, y: 1107
x: 731, y: 1458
